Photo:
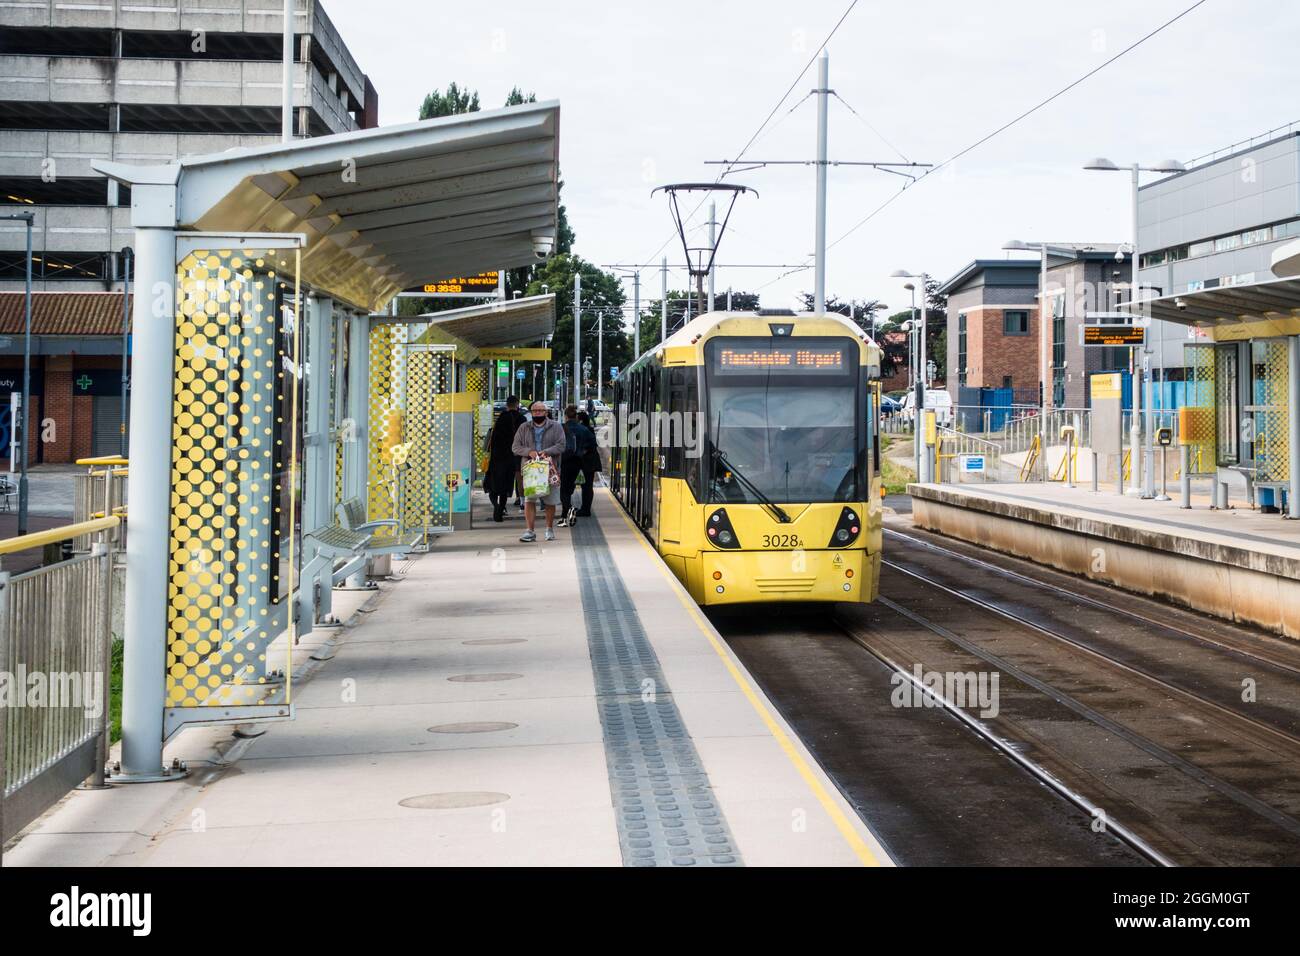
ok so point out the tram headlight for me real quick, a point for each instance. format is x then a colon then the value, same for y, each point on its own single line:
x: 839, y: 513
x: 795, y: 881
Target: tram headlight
x: 846, y: 530
x: 720, y: 532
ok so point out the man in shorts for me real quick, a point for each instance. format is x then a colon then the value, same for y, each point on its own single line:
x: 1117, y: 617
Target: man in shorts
x: 540, y: 437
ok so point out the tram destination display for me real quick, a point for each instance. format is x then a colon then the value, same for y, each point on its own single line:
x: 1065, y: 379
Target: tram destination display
x: 822, y: 359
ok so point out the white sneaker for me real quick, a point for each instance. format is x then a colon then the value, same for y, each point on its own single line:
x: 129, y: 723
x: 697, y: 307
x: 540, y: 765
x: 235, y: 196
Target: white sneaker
x: 550, y: 534
x: 528, y: 536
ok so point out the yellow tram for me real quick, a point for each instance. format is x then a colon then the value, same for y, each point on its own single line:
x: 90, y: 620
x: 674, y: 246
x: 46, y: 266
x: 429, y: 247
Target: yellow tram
x: 746, y: 447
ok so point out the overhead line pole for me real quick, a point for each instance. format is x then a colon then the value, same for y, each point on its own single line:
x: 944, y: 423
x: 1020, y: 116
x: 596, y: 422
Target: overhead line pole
x: 663, y: 299
x: 823, y: 96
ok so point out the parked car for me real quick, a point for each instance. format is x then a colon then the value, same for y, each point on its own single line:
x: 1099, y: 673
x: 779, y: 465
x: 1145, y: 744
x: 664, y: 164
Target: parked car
x: 936, y: 400
x: 889, y: 406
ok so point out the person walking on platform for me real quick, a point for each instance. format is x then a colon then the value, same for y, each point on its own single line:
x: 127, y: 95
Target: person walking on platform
x: 503, y: 463
x: 590, y: 465
x: 579, y: 443
x: 541, y: 438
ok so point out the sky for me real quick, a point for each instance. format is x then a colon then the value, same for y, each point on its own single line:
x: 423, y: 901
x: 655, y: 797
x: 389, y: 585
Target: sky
x: 649, y: 92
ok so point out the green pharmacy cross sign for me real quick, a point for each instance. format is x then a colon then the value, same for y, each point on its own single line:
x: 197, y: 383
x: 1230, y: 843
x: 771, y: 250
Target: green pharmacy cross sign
x: 84, y: 382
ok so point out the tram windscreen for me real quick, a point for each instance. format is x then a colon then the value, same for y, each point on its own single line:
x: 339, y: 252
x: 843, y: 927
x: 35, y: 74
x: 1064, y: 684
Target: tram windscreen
x: 783, y: 418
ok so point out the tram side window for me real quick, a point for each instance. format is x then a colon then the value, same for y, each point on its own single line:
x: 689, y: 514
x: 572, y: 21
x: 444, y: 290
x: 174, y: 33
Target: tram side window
x: 873, y: 429
x: 672, y: 428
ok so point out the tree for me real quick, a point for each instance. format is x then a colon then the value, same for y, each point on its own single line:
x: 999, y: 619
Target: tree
x: 450, y: 103
x: 862, y: 313
x: 602, y: 292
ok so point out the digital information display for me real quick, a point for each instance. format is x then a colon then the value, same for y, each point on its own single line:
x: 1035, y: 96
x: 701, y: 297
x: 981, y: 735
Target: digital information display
x: 485, y: 283
x: 1111, y: 334
x: 810, y: 359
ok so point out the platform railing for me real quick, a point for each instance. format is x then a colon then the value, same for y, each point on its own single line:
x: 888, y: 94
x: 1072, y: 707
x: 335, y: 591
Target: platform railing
x: 99, y: 491
x: 56, y: 650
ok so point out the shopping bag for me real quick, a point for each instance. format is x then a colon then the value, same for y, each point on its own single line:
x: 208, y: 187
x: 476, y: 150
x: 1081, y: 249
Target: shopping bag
x: 537, y: 478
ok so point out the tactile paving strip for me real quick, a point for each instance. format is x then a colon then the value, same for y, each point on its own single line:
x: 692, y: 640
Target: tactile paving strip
x: 666, y: 811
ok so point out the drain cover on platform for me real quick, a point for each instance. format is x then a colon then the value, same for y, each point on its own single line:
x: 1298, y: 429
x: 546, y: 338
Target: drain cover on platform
x: 454, y: 800
x: 473, y: 727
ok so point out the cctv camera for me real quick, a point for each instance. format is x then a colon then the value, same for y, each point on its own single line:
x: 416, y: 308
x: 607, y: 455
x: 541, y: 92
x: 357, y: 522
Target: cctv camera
x: 542, y: 245
x: 1179, y: 303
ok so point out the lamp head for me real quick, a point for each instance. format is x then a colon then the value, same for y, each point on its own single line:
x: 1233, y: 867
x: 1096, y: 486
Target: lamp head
x: 1169, y: 166
x: 1101, y: 164
x: 901, y: 274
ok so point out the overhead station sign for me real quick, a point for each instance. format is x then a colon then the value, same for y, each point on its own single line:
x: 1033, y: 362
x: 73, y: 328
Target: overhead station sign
x: 1111, y: 335
x: 485, y: 283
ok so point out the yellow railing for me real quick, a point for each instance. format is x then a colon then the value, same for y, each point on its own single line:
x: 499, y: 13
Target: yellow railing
x: 38, y: 539
x: 103, y: 461
x: 1031, y: 458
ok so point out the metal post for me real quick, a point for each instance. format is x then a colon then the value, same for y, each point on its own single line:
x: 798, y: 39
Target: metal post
x: 104, y: 554
x: 145, y: 651
x: 1095, y: 477
x: 317, y: 465
x: 1135, y: 423
x: 1148, y: 447
x: 1185, y: 475
x: 921, y: 369
x: 286, y: 105
x: 1046, y: 329
x: 357, y: 413
x: 663, y: 299
x: 27, y: 385
x: 126, y: 333
x: 1293, y: 422
x: 728, y: 298
x: 636, y: 315
x: 600, y: 355
x: 577, y: 335
x: 713, y: 244
x: 823, y: 95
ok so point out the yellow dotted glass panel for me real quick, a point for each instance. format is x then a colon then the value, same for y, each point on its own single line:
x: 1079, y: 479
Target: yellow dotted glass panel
x: 230, y: 391
x: 1272, y: 420
x: 1200, y: 402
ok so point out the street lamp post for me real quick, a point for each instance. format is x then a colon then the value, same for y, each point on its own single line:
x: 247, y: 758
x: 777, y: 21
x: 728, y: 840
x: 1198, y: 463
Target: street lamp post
x: 922, y: 461
x: 29, y: 218
x: 1101, y: 164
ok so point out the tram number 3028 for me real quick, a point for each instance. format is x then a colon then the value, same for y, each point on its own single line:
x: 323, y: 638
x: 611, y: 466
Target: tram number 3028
x: 782, y: 541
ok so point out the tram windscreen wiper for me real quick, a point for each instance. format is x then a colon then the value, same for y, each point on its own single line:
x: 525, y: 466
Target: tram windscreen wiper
x: 764, y: 500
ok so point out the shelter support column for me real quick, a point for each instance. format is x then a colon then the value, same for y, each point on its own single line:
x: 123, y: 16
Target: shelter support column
x: 148, y: 503
x: 356, y: 415
x: 317, y: 466
x: 1293, y: 425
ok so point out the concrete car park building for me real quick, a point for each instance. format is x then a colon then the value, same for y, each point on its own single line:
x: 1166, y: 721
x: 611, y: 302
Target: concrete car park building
x: 125, y: 81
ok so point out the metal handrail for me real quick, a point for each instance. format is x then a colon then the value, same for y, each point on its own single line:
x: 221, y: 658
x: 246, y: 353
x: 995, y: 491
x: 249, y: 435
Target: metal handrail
x: 67, y: 532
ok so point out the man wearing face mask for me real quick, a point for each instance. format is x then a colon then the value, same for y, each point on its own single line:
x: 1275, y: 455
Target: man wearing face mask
x: 540, y: 438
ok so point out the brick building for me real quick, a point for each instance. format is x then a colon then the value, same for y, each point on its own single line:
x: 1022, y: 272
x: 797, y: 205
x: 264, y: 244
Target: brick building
x: 993, y: 325
x: 76, y: 373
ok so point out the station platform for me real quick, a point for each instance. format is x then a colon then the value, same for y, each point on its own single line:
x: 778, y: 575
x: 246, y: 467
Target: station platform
x: 498, y: 704
x: 1238, y: 564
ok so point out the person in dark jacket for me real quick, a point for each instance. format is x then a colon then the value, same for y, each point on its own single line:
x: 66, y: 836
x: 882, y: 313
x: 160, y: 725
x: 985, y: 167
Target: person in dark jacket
x: 581, y: 456
x: 503, y: 463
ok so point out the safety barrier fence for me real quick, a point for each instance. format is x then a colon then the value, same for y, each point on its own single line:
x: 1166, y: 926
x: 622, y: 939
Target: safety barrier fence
x: 99, y: 491
x: 1028, y: 446
x: 56, y: 655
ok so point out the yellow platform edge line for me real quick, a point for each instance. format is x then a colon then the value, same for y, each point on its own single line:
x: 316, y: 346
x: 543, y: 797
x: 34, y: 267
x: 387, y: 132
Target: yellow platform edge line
x: 833, y: 810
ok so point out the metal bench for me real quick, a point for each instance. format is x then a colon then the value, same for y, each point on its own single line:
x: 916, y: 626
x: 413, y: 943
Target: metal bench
x: 343, y: 550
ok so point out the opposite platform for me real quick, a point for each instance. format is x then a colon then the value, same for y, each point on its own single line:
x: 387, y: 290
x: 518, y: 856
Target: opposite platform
x: 505, y: 704
x: 1237, y: 564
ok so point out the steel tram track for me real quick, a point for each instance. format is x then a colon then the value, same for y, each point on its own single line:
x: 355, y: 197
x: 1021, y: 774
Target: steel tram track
x: 1264, y: 738
x: 1196, y: 700
x: 1007, y: 747
x: 1182, y: 632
